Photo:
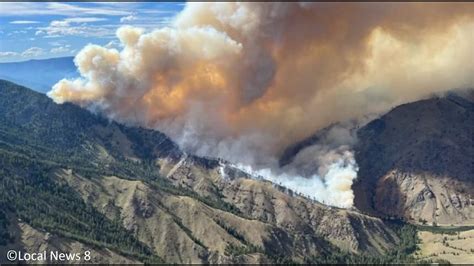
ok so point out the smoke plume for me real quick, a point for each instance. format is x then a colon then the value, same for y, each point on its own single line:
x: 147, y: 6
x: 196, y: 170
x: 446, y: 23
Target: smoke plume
x: 243, y: 81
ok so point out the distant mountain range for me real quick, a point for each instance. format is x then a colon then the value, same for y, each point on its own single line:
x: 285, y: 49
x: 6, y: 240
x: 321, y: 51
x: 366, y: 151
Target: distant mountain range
x: 73, y: 181
x: 39, y: 75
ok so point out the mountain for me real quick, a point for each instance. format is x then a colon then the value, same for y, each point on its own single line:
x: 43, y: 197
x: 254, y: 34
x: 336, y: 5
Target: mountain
x: 74, y: 181
x: 39, y: 75
x: 416, y: 162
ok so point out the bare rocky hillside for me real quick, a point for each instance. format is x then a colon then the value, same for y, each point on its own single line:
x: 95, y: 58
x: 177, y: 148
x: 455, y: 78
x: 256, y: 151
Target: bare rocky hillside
x: 417, y: 162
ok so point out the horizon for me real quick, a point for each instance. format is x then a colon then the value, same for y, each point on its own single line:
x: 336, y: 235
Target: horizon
x: 38, y: 59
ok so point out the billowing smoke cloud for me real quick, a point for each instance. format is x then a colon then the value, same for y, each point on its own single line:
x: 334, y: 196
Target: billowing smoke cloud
x: 324, y: 171
x: 244, y: 80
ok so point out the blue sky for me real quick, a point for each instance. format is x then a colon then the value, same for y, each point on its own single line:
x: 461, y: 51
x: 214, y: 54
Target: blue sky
x: 54, y: 29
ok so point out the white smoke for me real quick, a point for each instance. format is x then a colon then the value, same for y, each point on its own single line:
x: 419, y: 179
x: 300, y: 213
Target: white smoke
x: 330, y: 185
x: 323, y: 171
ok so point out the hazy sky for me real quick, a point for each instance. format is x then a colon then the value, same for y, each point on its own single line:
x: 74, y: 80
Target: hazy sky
x: 44, y: 30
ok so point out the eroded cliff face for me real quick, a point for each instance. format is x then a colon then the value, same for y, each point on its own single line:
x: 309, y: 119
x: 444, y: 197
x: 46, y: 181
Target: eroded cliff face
x: 417, y: 162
